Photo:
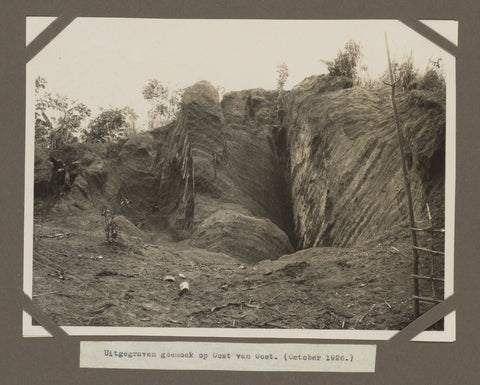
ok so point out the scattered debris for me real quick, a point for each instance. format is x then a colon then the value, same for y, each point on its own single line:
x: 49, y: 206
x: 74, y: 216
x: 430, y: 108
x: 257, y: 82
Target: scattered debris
x: 58, y: 273
x: 181, y: 275
x: 363, y: 316
x: 386, y: 303
x: 103, y: 308
x: 224, y: 287
x: 39, y: 295
x: 145, y: 319
x: 57, y: 236
x: 169, y: 278
x: 241, y: 267
x: 184, y: 288
x: 394, y: 250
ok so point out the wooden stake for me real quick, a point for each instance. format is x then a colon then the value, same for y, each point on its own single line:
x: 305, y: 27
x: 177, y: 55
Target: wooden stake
x: 401, y: 141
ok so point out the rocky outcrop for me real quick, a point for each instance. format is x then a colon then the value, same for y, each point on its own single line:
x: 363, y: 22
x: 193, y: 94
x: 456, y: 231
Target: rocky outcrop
x: 256, y: 159
x: 234, y: 157
x: 135, y: 173
x: 347, y: 182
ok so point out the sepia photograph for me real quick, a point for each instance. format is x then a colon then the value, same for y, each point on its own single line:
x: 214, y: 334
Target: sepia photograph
x: 273, y: 178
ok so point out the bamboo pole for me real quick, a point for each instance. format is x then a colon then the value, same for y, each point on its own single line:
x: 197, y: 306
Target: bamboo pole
x: 426, y: 299
x: 416, y: 306
x: 428, y: 250
x: 430, y: 278
x: 428, y: 229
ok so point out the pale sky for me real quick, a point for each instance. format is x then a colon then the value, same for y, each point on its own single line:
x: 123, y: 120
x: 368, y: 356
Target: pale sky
x: 105, y: 62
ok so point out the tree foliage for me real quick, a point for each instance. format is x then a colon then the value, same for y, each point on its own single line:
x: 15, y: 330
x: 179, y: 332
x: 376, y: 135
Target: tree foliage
x: 405, y: 73
x: 58, y: 119
x: 408, y: 77
x: 345, y: 64
x: 434, y: 77
x: 164, y: 102
x: 108, y: 126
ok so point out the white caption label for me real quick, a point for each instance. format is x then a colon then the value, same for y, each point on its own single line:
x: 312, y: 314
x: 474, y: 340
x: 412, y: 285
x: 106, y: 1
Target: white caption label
x: 227, y: 356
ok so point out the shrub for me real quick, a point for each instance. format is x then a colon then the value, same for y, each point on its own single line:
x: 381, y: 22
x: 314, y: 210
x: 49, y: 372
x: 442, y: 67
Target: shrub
x: 108, y: 126
x: 109, y: 225
x: 282, y: 71
x: 434, y: 80
x: 404, y: 73
x: 345, y: 64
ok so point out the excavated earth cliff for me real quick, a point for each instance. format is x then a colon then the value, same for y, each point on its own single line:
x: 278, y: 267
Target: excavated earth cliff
x: 234, y: 177
x: 280, y: 212
x: 345, y: 165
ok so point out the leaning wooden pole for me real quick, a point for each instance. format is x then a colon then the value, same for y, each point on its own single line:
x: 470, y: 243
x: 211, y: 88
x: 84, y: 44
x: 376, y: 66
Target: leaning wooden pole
x: 401, y: 141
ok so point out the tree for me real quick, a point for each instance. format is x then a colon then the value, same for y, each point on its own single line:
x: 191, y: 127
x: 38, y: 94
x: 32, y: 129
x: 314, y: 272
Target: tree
x: 58, y: 119
x: 69, y: 122
x: 164, y: 103
x: 345, y: 64
x: 108, y: 126
x: 282, y: 71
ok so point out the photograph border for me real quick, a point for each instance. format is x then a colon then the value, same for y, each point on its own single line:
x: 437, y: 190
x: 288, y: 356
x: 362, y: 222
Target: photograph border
x: 56, y: 360
x: 447, y: 335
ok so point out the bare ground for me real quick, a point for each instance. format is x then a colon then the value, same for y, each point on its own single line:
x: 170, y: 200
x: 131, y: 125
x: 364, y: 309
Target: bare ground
x: 81, y: 280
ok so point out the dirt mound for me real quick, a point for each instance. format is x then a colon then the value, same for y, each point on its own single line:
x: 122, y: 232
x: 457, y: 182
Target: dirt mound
x: 347, y: 182
x: 244, y: 237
